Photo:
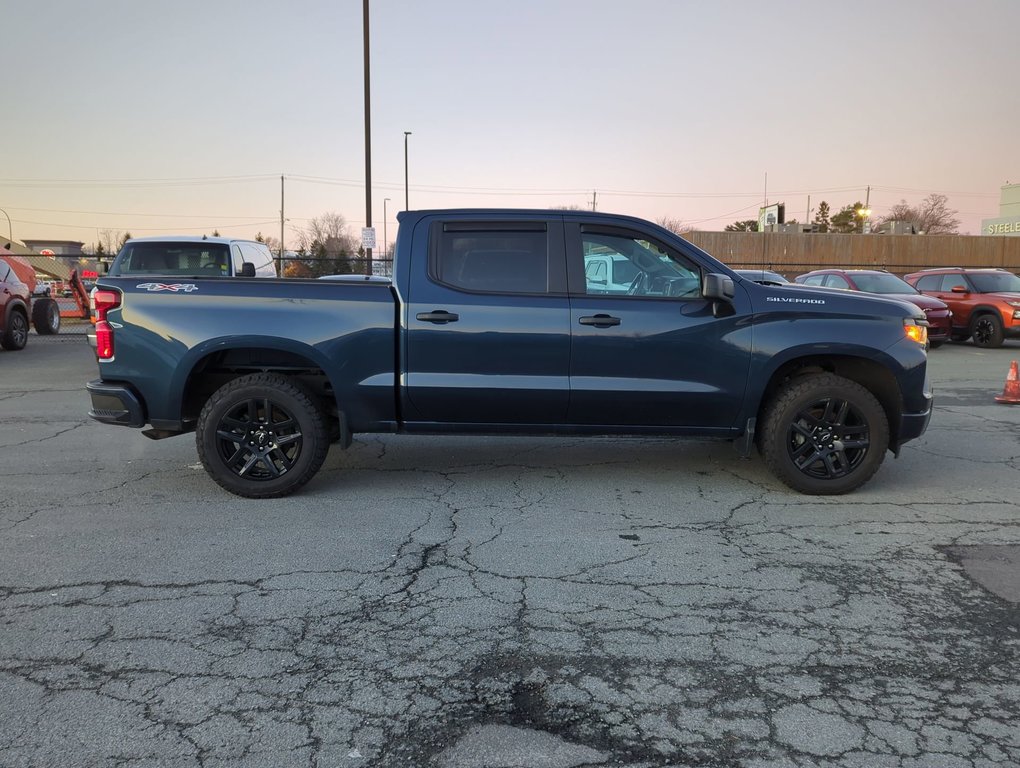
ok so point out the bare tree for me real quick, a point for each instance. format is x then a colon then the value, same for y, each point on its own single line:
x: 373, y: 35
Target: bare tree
x: 112, y: 240
x: 932, y: 217
x: 329, y: 245
x: 674, y: 225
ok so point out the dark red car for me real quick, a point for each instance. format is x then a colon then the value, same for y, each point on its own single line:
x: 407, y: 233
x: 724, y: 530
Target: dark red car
x: 940, y: 318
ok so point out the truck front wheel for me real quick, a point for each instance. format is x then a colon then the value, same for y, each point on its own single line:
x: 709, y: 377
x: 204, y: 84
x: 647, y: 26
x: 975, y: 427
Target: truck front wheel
x: 261, y: 436
x: 824, y: 434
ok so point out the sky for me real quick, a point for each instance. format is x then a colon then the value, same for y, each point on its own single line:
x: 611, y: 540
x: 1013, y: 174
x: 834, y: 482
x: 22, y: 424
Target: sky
x: 155, y: 117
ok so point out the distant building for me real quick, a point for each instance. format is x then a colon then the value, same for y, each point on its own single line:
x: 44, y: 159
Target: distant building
x: 58, y: 247
x: 1008, y: 221
x: 70, y: 253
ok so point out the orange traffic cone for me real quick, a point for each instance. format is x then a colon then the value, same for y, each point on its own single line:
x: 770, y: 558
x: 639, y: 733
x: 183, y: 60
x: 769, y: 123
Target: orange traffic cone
x: 1011, y: 392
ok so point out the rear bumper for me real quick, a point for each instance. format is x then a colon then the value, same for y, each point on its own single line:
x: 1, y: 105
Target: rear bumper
x: 114, y: 403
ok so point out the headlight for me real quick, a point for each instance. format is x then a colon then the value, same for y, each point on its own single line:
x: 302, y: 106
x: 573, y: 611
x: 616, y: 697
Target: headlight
x: 916, y: 330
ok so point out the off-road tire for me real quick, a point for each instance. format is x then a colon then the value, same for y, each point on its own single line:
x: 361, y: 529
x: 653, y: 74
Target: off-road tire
x: 46, y: 317
x: 824, y: 435
x: 262, y: 436
x: 15, y: 335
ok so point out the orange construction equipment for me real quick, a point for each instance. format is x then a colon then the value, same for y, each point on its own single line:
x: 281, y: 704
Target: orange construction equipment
x: 80, y: 296
x: 1011, y: 392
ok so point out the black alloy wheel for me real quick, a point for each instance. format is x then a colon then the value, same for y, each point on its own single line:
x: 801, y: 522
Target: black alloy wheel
x: 262, y: 436
x: 828, y: 438
x: 15, y: 336
x: 986, y: 331
x: 824, y: 434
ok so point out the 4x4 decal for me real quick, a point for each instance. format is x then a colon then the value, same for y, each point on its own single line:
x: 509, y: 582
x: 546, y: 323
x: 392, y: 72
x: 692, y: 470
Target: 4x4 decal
x: 172, y: 287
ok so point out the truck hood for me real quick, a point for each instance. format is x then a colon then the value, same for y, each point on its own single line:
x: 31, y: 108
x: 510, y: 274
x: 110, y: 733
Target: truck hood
x: 834, y: 299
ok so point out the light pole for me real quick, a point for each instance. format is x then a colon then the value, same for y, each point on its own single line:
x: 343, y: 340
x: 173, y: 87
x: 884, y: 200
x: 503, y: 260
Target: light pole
x: 385, y: 251
x: 407, y: 197
x: 368, y: 139
x: 10, y: 227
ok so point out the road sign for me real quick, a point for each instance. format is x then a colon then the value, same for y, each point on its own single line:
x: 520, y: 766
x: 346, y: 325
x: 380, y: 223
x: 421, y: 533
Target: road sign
x: 368, y: 237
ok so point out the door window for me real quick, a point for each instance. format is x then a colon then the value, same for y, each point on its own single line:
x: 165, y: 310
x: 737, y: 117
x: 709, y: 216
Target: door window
x: 836, y: 281
x: 637, y: 267
x: 493, y: 260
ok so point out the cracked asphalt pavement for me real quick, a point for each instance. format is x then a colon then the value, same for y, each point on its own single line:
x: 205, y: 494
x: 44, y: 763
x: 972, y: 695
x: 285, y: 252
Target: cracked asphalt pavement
x: 501, y: 602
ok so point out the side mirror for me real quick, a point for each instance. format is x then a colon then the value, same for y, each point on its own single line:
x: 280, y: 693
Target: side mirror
x: 959, y: 289
x: 718, y: 287
x: 103, y: 268
x: 247, y: 269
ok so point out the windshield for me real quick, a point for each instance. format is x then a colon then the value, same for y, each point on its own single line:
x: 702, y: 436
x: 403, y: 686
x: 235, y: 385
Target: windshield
x: 883, y: 284
x: 995, y: 282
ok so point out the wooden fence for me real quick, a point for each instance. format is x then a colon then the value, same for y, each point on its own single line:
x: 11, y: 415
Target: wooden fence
x: 793, y: 255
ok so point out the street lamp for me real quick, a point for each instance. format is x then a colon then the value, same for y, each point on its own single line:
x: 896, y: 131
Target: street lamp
x: 407, y: 197
x: 865, y: 214
x: 385, y: 219
x: 10, y: 227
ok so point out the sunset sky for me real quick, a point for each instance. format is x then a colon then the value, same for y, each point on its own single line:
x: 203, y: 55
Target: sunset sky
x: 159, y: 117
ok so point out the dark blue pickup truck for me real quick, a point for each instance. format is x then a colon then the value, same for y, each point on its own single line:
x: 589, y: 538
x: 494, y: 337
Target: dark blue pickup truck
x: 506, y: 322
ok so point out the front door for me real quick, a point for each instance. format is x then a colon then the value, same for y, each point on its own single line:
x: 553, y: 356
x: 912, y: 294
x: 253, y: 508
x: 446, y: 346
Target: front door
x: 656, y: 355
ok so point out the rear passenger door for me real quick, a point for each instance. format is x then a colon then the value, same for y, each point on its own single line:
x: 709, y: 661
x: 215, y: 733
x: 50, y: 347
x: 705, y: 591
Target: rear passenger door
x: 487, y: 331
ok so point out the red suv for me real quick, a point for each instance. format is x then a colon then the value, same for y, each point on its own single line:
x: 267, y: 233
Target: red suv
x: 17, y: 306
x: 878, y: 281
x: 14, y: 304
x: 985, y: 302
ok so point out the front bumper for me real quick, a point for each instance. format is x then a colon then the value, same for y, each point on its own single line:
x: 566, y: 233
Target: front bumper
x: 114, y: 403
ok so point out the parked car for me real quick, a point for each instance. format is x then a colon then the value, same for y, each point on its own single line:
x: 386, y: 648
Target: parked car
x: 608, y: 273
x: 763, y: 276
x: 189, y: 256
x: 17, y: 305
x: 42, y: 289
x: 985, y: 302
x: 939, y: 315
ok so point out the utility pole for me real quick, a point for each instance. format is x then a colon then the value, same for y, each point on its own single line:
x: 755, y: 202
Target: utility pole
x: 279, y: 263
x: 407, y: 194
x: 807, y: 216
x: 368, y: 141
x: 594, y: 194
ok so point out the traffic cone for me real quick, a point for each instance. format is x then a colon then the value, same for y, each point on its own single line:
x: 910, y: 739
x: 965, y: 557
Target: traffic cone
x: 1011, y: 392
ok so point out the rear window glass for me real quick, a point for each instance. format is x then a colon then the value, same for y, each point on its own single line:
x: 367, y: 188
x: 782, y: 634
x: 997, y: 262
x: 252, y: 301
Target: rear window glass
x: 173, y: 259
x: 494, y: 261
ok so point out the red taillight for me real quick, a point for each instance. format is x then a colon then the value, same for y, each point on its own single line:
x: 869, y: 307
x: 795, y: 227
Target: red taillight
x: 104, y: 340
x: 105, y: 301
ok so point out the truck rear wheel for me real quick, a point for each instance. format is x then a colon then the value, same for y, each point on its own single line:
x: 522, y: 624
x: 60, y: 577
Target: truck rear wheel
x: 261, y: 436
x: 824, y: 435
x: 46, y: 317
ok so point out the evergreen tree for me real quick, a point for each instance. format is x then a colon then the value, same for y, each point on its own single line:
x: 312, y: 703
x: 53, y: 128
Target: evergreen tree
x: 821, y: 220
